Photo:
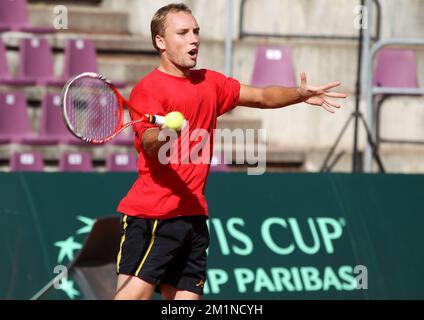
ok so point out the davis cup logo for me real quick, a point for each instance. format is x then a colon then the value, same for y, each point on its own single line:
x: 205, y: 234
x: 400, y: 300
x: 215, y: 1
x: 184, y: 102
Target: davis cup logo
x: 67, y: 250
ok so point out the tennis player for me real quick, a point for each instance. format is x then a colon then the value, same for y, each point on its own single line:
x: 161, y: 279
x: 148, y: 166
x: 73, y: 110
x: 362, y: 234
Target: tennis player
x: 164, y: 231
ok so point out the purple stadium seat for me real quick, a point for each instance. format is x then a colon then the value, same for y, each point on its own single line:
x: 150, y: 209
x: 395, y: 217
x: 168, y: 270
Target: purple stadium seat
x: 26, y: 161
x: 218, y: 164
x: 5, y: 76
x: 76, y: 161
x: 52, y: 127
x: 4, y: 28
x: 15, y: 125
x: 14, y: 16
x: 14, y: 120
x: 80, y: 56
x: 36, y: 62
x: 121, y: 162
x: 273, y: 66
x: 396, y: 68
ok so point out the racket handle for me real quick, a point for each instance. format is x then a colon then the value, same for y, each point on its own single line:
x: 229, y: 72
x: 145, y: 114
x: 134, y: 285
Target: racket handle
x: 158, y: 120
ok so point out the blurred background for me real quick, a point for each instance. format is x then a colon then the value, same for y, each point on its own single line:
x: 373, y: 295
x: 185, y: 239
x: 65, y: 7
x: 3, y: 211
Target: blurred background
x: 46, y: 42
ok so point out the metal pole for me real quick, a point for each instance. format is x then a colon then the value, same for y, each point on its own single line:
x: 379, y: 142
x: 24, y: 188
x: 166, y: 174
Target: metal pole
x: 229, y: 40
x: 367, y: 81
x: 356, y: 167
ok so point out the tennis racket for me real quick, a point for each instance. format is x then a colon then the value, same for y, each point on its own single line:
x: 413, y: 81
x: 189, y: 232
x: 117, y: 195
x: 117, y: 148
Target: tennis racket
x: 93, y: 109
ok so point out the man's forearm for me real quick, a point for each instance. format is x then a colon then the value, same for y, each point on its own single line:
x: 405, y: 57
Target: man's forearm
x: 278, y: 97
x: 270, y: 97
x: 152, y: 142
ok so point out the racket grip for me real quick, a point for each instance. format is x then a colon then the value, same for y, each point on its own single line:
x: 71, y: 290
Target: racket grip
x: 158, y: 120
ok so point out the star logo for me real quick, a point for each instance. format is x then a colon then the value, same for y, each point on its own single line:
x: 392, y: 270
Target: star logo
x: 68, y: 287
x: 88, y: 224
x: 67, y: 248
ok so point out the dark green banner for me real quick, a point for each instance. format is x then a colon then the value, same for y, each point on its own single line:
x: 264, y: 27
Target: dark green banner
x: 275, y: 236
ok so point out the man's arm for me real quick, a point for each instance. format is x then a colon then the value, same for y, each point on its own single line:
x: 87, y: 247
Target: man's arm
x: 154, y: 138
x: 278, y: 97
x: 151, y: 143
x: 271, y: 97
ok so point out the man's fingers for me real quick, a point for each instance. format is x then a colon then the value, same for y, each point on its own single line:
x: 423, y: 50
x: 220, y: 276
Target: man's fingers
x: 331, y: 103
x: 315, y: 103
x: 302, y: 79
x: 324, y: 104
x: 336, y: 95
x: 327, y: 107
x: 330, y: 85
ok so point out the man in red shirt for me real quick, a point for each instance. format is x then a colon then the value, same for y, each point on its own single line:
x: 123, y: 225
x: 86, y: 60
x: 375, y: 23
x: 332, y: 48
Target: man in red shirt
x: 164, y: 231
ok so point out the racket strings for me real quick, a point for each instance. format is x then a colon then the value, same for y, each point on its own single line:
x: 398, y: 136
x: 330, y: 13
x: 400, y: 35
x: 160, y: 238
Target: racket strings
x: 92, y: 108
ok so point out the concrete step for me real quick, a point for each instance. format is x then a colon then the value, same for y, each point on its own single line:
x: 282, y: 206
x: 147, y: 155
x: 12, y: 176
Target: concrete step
x: 396, y: 158
x: 105, y: 43
x: 92, y: 3
x: 128, y: 69
x: 274, y: 154
x: 80, y: 18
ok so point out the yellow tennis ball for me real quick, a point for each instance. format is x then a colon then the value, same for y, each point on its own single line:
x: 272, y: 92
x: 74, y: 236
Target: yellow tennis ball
x: 174, y: 120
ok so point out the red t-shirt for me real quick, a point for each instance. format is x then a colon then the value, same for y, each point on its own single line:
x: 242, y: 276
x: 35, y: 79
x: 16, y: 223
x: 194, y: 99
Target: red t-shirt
x: 164, y: 191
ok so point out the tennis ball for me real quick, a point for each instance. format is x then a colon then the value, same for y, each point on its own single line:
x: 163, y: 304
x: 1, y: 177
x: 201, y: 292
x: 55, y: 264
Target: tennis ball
x: 174, y: 120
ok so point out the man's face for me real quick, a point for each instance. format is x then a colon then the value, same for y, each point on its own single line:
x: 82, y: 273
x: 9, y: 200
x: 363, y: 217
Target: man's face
x: 181, y: 40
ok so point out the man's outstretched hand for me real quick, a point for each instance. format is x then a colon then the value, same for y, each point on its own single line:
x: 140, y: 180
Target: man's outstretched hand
x: 318, y: 96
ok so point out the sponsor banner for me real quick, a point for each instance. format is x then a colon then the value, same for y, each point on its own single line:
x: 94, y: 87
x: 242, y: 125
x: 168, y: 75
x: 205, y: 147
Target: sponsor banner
x: 273, y: 236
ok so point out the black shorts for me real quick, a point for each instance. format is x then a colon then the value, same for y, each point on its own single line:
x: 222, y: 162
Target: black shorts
x: 171, y: 251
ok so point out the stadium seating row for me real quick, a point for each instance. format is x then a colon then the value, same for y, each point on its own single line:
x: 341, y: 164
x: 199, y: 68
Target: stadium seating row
x: 82, y: 162
x: 15, y: 124
x: 73, y: 162
x: 36, y: 63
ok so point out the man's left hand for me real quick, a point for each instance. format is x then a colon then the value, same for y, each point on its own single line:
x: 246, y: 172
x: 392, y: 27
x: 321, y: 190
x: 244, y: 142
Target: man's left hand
x: 318, y: 96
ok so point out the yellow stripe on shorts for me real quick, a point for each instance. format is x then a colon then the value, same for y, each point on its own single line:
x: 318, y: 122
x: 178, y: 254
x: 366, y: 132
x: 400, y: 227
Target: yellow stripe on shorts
x: 152, y: 240
x: 122, y: 243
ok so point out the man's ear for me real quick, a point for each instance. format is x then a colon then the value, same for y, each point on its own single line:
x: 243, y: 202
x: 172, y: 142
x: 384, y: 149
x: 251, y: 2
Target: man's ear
x: 160, y: 42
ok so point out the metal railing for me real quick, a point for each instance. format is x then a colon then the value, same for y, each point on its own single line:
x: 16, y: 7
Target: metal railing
x: 373, y: 91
